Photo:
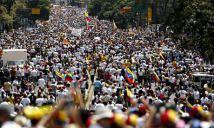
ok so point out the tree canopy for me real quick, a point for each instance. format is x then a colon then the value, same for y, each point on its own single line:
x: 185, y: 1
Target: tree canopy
x: 12, y: 11
x: 191, y: 21
x: 112, y: 10
x: 8, y: 10
x: 192, y: 25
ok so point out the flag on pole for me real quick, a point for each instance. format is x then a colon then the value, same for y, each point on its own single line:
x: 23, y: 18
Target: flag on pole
x: 75, y: 95
x: 114, y: 25
x: 86, y: 13
x: 149, y: 15
x: 68, y: 77
x: 129, y: 93
x: 87, y: 20
x: 174, y: 64
x: 161, y: 55
x: 156, y: 77
x: 60, y: 75
x: 129, y: 76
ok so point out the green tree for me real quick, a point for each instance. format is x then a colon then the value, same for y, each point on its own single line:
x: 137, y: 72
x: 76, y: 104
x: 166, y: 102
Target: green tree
x: 111, y: 10
x: 8, y: 9
x: 192, y: 25
x: 4, y: 16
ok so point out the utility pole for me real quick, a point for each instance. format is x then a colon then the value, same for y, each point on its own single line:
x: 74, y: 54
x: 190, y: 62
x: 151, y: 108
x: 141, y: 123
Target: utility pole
x: 138, y: 3
x: 156, y: 15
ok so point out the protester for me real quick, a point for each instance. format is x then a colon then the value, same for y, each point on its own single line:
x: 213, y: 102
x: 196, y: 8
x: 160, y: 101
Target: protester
x: 83, y: 72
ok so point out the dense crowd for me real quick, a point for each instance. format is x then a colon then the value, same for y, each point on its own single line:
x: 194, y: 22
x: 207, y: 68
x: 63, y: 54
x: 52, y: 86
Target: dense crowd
x: 104, y: 77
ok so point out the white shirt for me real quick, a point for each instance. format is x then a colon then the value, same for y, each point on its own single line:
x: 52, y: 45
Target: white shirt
x: 40, y: 101
x: 22, y: 72
x: 61, y: 95
x: 41, y: 82
x: 183, y: 93
x: 140, y: 72
x: 34, y: 73
x: 10, y: 124
x: 172, y: 79
x: 196, y: 95
x: 55, y: 68
x: 18, y: 72
x: 109, y: 91
x: 25, y: 102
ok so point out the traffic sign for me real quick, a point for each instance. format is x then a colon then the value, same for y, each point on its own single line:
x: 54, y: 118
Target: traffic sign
x: 35, y: 11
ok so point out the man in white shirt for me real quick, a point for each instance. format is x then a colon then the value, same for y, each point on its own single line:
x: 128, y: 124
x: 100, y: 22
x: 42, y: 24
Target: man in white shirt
x: 22, y: 73
x: 105, y: 98
x: 196, y: 94
x: 34, y: 74
x: 40, y: 101
x: 140, y: 75
x: 41, y: 82
x: 25, y: 101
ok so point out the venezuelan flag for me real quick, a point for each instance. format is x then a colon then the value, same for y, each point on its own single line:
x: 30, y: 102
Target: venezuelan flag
x: 68, y: 77
x: 129, y: 93
x: 87, y: 58
x: 129, y: 76
x: 60, y: 75
x: 86, y: 14
x: 161, y: 55
x: 88, y: 19
x: 156, y: 77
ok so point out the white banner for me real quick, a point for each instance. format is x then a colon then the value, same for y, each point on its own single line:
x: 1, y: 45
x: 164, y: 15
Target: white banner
x: 76, y: 32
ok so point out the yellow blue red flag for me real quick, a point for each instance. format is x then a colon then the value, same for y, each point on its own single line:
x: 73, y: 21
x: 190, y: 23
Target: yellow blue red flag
x: 129, y: 76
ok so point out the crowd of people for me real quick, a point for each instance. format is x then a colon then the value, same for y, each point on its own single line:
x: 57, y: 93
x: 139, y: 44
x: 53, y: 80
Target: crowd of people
x: 103, y: 78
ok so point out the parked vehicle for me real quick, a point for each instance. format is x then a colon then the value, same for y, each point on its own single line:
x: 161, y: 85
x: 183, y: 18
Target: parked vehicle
x: 14, y: 57
x: 201, y: 78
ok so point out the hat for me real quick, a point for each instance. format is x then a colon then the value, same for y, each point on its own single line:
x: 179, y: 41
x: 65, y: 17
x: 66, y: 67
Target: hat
x: 101, y: 113
x: 196, y: 111
x: 21, y: 120
x: 37, y: 112
x: 180, y: 124
x: 72, y: 126
x: 205, y: 124
x: 119, y: 106
x: 99, y: 105
x: 110, y: 106
x: 184, y: 114
x: 10, y: 124
x: 8, y: 108
x: 132, y: 120
x: 120, y: 119
x: 195, y: 123
x: 169, y: 116
x: 142, y: 109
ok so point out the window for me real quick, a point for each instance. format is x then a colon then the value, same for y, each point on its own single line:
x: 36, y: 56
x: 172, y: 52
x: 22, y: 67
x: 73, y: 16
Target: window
x: 196, y: 79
